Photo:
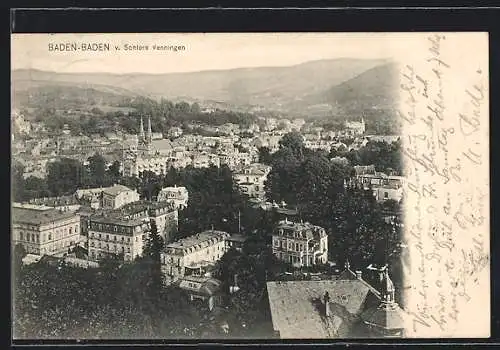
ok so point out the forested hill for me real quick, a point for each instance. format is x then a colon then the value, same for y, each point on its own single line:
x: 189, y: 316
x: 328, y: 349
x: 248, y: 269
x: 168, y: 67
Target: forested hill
x: 329, y: 89
x: 275, y: 88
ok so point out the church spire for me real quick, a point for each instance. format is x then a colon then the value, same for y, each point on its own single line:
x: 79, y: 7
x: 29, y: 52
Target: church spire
x: 141, y: 132
x: 150, y: 133
x: 388, y: 288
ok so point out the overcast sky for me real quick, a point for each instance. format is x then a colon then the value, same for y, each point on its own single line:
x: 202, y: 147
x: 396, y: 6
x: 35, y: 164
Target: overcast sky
x: 203, y: 51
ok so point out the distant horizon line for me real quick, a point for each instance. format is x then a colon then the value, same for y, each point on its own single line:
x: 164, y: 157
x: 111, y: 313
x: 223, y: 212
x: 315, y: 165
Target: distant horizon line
x: 386, y: 60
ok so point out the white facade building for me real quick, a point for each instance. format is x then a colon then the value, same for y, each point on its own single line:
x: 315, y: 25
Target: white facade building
x: 179, y: 196
x: 193, y: 253
x: 251, y: 179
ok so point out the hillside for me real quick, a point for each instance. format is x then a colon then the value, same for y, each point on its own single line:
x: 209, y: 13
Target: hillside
x: 276, y: 88
x: 372, y: 94
x: 64, y: 96
x: 375, y: 88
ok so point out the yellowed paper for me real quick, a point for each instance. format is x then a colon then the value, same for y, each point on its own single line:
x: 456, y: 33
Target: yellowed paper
x: 442, y: 100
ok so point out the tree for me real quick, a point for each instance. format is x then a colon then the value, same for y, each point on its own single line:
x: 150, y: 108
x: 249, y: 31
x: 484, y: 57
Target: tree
x: 18, y: 184
x: 265, y: 156
x: 65, y: 176
x: 150, y: 184
x: 293, y: 141
x: 214, y: 200
x: 97, y: 169
x: 113, y: 172
x: 36, y: 187
x: 152, y: 251
x: 249, y: 304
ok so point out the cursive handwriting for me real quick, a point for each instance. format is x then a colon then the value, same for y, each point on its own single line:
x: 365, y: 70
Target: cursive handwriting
x: 447, y: 218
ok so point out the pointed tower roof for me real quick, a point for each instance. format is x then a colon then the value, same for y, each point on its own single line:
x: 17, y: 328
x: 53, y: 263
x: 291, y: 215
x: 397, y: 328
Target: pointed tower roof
x: 388, y: 315
x: 141, y: 129
x: 149, y: 125
x: 347, y: 274
x: 387, y: 284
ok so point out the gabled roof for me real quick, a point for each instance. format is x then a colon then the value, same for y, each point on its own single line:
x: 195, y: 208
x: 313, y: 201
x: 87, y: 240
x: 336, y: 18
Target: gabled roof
x: 347, y: 274
x: 297, y: 307
x: 116, y: 190
x: 199, y: 285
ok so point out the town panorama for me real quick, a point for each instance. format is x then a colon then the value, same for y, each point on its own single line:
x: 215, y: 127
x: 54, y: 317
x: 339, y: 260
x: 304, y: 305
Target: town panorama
x: 273, y: 214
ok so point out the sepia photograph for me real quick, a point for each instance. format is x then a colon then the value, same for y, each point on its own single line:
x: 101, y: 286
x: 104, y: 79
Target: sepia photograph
x: 249, y: 186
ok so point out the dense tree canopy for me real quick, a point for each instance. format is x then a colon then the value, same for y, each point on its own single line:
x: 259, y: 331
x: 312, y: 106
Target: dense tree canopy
x: 385, y: 156
x: 125, y: 113
x: 353, y: 219
x: 61, y: 302
x: 66, y: 175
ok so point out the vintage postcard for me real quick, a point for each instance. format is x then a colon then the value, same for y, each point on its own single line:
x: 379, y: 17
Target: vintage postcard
x: 250, y: 186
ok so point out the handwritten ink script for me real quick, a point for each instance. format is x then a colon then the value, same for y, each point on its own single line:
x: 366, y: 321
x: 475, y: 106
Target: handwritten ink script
x: 444, y: 116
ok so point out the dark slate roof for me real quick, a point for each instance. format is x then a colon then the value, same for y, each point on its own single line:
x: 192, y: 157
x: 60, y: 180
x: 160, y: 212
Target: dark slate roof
x: 38, y: 217
x: 195, y: 242
x: 347, y: 274
x: 387, y: 316
x: 306, y: 318
x: 204, y: 286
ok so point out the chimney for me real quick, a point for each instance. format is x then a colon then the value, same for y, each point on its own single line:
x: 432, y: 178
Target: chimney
x: 327, y: 304
x: 359, y: 274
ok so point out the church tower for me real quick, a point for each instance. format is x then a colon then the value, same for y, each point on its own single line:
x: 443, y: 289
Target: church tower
x: 149, y: 135
x: 387, y: 319
x: 141, y: 132
x: 144, y: 144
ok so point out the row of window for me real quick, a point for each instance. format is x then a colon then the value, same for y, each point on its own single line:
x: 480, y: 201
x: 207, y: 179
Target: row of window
x: 298, y: 247
x: 113, y: 248
x: 42, y: 238
x: 99, y: 255
x: 292, y: 259
x: 56, y: 247
x: 115, y: 238
x: 294, y: 233
x: 114, y: 228
x: 177, y: 261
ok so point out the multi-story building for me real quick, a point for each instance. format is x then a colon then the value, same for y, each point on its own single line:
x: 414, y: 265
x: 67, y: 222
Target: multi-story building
x: 205, y: 160
x: 268, y: 140
x: 116, y: 236
x: 193, y: 254
x: 355, y: 127
x: 44, y: 230
x: 117, y: 196
x: 91, y: 197
x: 388, y: 192
x: 300, y: 244
x: 164, y: 214
x: 63, y: 203
x: 251, y: 179
x: 126, y: 224
x: 179, y: 196
x: 149, y: 155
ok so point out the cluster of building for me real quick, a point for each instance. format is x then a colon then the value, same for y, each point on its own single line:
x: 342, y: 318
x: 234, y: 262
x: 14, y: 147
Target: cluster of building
x: 333, y: 307
x: 385, y: 187
x: 114, y: 221
x: 233, y: 145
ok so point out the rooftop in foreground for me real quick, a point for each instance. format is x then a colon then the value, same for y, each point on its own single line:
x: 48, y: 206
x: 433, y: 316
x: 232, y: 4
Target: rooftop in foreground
x: 297, y: 307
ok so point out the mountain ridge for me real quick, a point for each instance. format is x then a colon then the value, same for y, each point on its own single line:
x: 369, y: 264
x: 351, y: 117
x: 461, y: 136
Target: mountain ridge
x: 305, y: 88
